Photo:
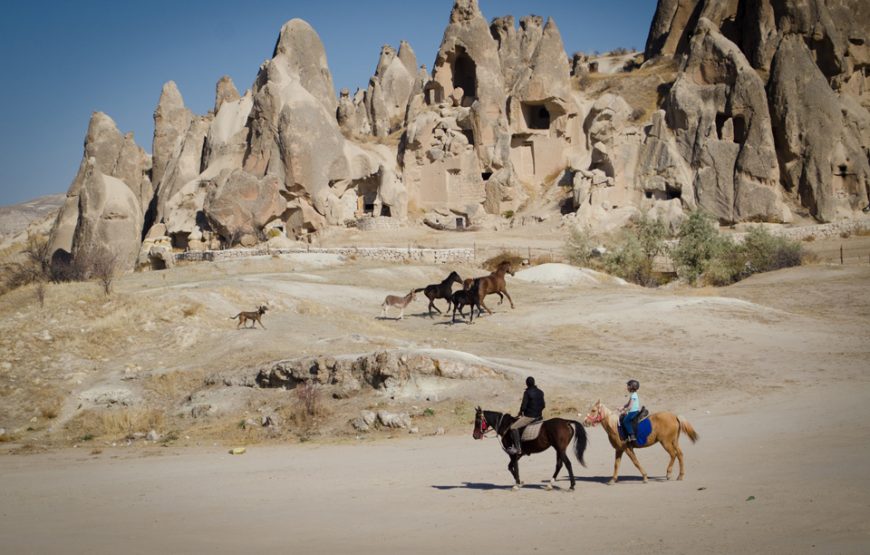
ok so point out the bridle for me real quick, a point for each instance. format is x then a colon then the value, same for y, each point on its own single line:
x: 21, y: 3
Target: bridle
x: 485, y: 428
x: 600, y: 418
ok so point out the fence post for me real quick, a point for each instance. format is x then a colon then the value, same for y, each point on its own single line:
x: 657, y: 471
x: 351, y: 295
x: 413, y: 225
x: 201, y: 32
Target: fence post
x: 841, y: 255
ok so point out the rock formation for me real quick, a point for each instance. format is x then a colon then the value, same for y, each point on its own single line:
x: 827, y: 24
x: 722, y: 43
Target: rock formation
x: 760, y: 111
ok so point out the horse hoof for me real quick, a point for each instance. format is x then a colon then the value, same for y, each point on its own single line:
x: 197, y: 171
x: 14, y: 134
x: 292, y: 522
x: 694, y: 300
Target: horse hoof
x: 679, y: 478
x: 515, y: 488
x: 611, y: 482
x: 548, y: 487
x: 645, y: 480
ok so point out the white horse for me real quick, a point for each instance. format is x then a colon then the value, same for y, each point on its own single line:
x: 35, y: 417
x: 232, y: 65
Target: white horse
x: 397, y: 302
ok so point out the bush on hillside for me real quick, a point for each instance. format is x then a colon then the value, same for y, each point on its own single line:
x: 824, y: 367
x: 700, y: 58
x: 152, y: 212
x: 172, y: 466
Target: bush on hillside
x: 632, y: 258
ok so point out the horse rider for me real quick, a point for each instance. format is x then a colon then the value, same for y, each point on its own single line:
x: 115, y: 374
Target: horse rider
x: 531, y: 409
x: 630, y: 410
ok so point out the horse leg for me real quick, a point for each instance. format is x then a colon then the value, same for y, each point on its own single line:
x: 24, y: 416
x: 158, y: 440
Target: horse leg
x: 509, y: 298
x: 559, y: 457
x: 483, y: 304
x: 514, y: 467
x: 669, y: 447
x: 616, y: 461
x: 636, y: 462
x: 500, y: 297
x: 680, y: 458
x: 401, y: 313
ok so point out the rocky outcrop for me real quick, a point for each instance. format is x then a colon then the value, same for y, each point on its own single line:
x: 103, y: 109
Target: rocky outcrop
x: 822, y: 138
x: 670, y: 28
x: 109, y: 159
x: 390, y: 89
x: 718, y: 111
x: 240, y: 205
x: 109, y: 224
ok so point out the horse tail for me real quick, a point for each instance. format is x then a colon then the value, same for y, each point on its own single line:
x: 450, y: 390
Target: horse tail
x: 687, y: 429
x: 580, y: 441
x: 420, y: 289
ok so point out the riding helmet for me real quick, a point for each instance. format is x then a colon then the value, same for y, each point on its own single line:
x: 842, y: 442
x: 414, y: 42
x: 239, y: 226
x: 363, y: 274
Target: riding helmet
x: 633, y: 385
x: 530, y: 381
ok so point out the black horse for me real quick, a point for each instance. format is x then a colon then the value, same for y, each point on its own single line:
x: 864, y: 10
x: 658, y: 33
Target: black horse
x: 469, y: 295
x: 443, y: 290
x: 555, y: 433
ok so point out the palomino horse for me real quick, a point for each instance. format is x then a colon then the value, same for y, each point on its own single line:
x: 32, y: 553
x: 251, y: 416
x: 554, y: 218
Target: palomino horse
x: 666, y: 428
x: 443, y: 290
x: 494, y: 283
x: 555, y: 433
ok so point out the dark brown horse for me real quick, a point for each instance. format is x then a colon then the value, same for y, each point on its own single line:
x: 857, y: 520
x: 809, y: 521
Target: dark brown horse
x: 467, y: 296
x: 555, y: 433
x: 443, y: 290
x: 494, y: 283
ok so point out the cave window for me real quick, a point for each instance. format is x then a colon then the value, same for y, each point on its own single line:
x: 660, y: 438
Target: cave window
x: 158, y: 264
x: 844, y: 169
x: 536, y: 115
x: 385, y: 211
x: 469, y: 134
x: 720, y: 123
x: 460, y: 223
x: 465, y: 75
x: 485, y: 176
x: 739, y: 129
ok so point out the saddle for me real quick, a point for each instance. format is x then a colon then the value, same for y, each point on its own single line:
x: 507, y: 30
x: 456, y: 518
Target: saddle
x: 531, y: 431
x: 642, y: 415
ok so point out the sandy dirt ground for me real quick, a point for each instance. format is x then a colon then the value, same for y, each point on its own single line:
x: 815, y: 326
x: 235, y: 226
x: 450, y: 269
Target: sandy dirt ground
x: 772, y: 372
x: 783, y: 475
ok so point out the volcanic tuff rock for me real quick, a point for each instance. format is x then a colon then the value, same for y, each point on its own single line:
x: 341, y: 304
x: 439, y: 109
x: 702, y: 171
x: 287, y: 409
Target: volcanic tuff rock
x: 750, y: 110
x: 718, y: 111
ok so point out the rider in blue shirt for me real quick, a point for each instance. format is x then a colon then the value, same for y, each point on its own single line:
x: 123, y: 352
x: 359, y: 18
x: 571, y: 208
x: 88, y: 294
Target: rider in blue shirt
x: 630, y: 410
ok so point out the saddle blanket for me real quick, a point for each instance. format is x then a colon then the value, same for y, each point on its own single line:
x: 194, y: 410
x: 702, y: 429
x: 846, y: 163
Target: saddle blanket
x: 531, y: 431
x: 642, y: 430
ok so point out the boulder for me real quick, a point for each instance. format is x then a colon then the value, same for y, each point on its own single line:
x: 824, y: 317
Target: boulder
x: 241, y: 204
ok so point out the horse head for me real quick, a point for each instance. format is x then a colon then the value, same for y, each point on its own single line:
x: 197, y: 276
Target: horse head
x: 413, y: 294
x: 505, y: 267
x: 479, y: 422
x: 467, y: 284
x: 454, y: 277
x: 595, y: 415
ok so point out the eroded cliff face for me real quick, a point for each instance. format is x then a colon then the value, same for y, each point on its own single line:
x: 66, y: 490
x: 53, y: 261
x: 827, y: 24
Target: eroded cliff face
x: 753, y: 110
x: 810, y: 60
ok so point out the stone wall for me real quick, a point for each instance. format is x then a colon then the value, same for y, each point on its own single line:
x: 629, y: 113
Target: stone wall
x: 386, y: 254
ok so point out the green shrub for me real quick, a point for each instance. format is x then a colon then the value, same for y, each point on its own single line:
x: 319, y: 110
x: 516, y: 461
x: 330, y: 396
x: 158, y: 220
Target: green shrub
x: 632, y: 259
x: 698, y: 243
x: 578, y: 247
x: 765, y: 252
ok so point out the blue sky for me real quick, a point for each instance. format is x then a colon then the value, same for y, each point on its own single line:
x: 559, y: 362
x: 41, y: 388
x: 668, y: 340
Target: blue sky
x: 62, y: 60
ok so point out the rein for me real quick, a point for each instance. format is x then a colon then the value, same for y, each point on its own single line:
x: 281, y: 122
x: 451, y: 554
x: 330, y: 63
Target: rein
x: 485, y: 427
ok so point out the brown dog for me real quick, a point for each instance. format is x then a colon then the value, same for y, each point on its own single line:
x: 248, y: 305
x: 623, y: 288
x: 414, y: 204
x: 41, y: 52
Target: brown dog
x: 254, y: 317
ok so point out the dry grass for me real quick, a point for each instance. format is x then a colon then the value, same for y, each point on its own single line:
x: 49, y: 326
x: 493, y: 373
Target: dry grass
x: 643, y: 88
x: 114, y: 423
x: 174, y: 385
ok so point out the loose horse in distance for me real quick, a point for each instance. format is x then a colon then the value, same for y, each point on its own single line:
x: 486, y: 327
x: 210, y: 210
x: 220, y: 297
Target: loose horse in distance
x: 494, y: 283
x: 666, y: 428
x: 443, y: 290
x: 254, y: 317
x: 468, y: 295
x: 397, y: 302
x: 555, y: 433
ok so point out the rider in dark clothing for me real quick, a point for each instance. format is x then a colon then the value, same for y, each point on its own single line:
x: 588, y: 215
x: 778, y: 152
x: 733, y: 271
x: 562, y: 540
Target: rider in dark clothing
x: 531, y: 409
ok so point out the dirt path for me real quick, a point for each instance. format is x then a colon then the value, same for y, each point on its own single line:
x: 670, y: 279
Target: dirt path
x: 763, y: 478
